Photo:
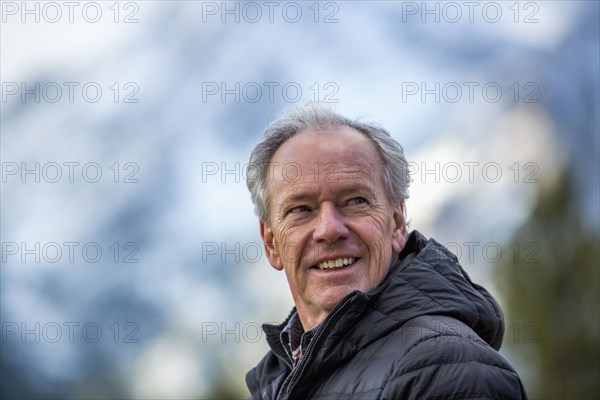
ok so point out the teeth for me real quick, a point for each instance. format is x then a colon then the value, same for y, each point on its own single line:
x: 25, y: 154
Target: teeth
x: 340, y: 262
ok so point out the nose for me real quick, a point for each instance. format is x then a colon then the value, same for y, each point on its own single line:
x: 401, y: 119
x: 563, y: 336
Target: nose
x: 330, y: 226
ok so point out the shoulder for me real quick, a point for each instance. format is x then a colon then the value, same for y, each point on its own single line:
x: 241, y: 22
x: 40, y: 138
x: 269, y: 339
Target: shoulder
x: 445, y: 340
x: 444, y: 358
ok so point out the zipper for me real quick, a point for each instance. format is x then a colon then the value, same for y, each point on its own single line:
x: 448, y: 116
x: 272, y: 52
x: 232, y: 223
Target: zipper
x: 297, y: 372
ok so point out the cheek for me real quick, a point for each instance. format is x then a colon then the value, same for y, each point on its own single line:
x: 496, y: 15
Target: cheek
x: 290, y: 248
x: 383, y: 228
x: 379, y: 241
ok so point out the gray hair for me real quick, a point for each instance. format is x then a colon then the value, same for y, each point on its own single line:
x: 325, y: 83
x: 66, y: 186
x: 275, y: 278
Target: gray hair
x: 311, y: 116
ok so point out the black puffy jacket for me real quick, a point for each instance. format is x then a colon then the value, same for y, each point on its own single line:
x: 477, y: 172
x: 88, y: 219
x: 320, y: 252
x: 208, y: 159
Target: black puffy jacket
x: 427, y: 332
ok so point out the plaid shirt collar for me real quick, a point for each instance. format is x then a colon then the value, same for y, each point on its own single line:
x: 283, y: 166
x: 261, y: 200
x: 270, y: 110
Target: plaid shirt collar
x: 294, y: 339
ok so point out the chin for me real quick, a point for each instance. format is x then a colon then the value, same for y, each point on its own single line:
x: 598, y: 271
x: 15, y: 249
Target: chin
x: 332, y: 296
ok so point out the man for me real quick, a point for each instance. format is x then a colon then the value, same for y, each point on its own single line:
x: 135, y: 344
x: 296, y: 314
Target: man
x: 379, y: 313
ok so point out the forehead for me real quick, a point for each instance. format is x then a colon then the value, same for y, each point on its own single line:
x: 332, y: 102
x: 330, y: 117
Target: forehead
x: 324, y: 156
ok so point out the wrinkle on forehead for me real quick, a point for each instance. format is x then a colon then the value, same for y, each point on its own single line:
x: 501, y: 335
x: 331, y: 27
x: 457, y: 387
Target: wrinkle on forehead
x: 314, y: 163
x: 319, y: 155
x: 329, y: 175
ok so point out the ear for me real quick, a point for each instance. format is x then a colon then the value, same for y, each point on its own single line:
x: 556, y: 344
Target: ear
x: 400, y: 233
x: 271, y: 249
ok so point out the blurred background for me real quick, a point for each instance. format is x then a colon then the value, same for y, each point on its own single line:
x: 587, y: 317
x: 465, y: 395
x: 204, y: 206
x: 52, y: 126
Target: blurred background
x: 132, y: 266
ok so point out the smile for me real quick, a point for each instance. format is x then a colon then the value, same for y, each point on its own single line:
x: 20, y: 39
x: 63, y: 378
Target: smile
x: 337, y: 263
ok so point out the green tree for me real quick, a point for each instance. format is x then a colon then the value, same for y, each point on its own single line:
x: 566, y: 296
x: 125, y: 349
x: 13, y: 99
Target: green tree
x: 551, y: 291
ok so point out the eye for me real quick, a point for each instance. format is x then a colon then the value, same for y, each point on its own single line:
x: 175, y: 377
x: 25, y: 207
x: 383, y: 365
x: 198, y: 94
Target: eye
x: 357, y: 201
x: 298, y: 209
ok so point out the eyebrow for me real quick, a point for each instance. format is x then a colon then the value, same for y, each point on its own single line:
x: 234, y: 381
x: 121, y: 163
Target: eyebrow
x: 294, y: 199
x: 344, y: 190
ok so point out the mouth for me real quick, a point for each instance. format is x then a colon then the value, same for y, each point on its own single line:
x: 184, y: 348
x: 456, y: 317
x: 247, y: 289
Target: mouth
x: 336, y: 263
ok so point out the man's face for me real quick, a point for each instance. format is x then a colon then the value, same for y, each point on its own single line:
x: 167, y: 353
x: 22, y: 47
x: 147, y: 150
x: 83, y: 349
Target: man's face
x: 331, y: 227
